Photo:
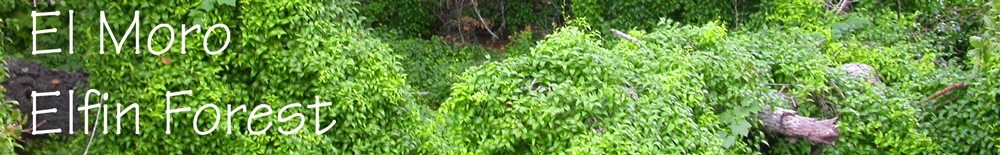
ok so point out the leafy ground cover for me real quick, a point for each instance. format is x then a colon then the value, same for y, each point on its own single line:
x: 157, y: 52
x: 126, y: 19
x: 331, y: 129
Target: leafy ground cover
x: 519, y: 76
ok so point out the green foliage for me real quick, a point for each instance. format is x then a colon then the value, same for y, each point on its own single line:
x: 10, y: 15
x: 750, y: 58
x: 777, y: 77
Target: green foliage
x: 16, y: 26
x: 728, y: 75
x: 643, y: 14
x: 809, y: 14
x: 515, y: 15
x: 410, y: 18
x: 951, y: 23
x: 423, y: 18
x: 686, y: 90
x: 886, y: 44
x: 569, y: 95
x: 433, y: 65
x: 280, y: 53
x: 975, y: 103
x: 10, y: 116
x: 873, y: 121
x: 521, y: 42
x: 872, y: 117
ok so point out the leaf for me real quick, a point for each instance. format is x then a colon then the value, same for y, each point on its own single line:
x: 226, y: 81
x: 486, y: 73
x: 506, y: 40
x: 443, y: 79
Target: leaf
x: 207, y: 5
x: 742, y: 127
x: 976, y: 41
x: 729, y: 141
x: 277, y: 32
x: 989, y: 23
x: 228, y: 2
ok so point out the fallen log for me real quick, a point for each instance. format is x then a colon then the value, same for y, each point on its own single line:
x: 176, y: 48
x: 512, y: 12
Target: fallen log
x: 788, y: 123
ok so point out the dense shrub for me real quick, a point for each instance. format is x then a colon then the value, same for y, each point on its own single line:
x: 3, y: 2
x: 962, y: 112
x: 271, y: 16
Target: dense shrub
x: 410, y: 18
x: 9, y: 117
x: 569, y: 95
x: 730, y: 79
x: 950, y: 23
x: 686, y: 89
x: 433, y: 65
x: 16, y: 25
x: 872, y: 117
x: 809, y: 14
x: 514, y: 15
x: 643, y: 14
x: 729, y: 76
x: 451, y: 18
x: 975, y: 103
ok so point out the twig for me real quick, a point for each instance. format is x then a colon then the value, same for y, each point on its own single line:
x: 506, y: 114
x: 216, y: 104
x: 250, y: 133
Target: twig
x: 736, y: 9
x: 823, y: 101
x: 946, y: 90
x: 625, y: 36
x: 631, y: 90
x: 834, y: 84
x: 942, y: 92
x: 776, y: 84
x: 92, y: 133
x: 32, y: 129
x: 475, y: 6
x: 789, y: 98
x: 530, y: 85
x: 844, y: 4
x: 503, y: 15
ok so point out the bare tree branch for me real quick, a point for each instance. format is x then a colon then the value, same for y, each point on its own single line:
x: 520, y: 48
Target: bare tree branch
x: 625, y: 36
x: 475, y: 7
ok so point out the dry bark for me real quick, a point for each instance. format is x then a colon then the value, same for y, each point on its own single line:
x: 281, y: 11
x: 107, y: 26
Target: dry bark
x: 625, y: 36
x: 789, y: 123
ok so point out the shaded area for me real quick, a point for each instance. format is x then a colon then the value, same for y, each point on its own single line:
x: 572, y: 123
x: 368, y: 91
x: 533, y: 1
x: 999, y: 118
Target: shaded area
x: 26, y: 77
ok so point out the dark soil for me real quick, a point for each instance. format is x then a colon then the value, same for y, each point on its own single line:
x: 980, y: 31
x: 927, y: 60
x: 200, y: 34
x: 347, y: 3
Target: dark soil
x: 26, y: 77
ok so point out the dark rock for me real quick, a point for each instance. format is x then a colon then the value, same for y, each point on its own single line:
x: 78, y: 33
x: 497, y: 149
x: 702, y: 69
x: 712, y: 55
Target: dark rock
x: 26, y: 77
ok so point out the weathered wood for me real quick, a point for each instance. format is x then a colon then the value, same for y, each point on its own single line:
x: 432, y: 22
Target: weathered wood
x: 789, y: 123
x: 625, y: 36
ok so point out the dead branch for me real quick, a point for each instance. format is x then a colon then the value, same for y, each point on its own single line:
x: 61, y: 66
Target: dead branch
x: 944, y: 91
x: 777, y: 84
x: 736, y: 9
x: 475, y: 7
x: 947, y: 90
x: 625, y: 36
x: 842, y: 7
x: 835, y: 87
x: 32, y: 129
x: 503, y: 16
